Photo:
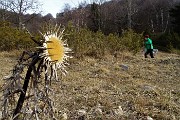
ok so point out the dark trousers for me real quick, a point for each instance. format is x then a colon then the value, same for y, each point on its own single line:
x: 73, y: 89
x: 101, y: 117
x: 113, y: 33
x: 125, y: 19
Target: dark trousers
x: 149, y: 51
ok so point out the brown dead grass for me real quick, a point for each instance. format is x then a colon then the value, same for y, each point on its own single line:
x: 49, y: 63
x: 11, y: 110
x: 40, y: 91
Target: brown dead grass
x: 149, y: 87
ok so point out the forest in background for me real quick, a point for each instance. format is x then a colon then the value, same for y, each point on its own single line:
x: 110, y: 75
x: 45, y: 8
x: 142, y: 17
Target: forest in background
x: 96, y: 28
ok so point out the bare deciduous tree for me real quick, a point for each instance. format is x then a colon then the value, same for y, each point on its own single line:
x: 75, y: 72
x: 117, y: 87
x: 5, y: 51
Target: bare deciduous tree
x: 20, y: 7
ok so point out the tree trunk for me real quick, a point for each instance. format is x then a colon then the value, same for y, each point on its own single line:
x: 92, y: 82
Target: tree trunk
x: 129, y: 14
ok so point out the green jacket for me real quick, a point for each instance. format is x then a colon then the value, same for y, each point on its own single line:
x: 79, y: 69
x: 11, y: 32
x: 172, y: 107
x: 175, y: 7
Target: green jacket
x: 148, y: 44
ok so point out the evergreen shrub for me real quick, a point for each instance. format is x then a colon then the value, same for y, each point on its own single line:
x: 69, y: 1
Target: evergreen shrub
x: 96, y: 44
x: 11, y: 38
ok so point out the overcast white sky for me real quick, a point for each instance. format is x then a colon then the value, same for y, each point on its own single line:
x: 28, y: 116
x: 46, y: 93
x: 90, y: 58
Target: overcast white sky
x: 56, y: 6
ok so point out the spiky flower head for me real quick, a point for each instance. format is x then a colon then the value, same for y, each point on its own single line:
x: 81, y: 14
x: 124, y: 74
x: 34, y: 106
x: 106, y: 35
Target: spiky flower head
x: 55, y: 50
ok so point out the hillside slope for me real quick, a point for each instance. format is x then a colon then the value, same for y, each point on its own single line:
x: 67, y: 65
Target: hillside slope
x: 126, y: 87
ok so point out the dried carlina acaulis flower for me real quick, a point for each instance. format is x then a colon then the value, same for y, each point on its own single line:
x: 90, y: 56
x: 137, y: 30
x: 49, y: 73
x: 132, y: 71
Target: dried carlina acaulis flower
x: 52, y: 54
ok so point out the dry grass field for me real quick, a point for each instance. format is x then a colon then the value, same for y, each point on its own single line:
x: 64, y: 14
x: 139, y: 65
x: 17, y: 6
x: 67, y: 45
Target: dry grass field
x: 128, y: 87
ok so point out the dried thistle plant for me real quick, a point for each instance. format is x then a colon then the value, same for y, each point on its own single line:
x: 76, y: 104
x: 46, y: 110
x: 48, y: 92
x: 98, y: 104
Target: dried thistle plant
x: 28, y: 95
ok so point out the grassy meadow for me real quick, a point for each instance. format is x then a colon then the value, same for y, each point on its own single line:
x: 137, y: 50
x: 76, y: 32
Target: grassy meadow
x: 122, y: 87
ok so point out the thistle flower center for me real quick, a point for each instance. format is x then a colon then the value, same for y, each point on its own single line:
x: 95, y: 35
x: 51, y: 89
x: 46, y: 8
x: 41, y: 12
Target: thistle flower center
x: 55, y: 49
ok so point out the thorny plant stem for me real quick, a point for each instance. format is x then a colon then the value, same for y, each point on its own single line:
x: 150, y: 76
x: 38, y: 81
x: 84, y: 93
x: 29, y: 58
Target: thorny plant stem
x: 25, y: 86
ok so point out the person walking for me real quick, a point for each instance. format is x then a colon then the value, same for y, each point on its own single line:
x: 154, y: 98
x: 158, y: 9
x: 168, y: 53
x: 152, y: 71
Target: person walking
x: 148, y: 46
